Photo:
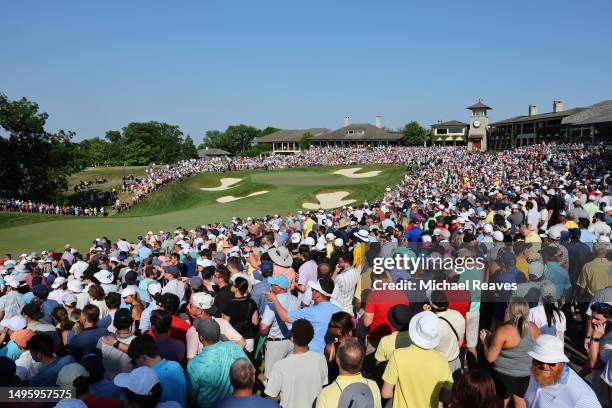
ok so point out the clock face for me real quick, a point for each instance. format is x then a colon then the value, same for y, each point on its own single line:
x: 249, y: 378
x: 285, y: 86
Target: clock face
x: 476, y: 123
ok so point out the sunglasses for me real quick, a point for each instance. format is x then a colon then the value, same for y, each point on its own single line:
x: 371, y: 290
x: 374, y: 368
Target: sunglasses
x: 600, y: 307
x: 539, y: 363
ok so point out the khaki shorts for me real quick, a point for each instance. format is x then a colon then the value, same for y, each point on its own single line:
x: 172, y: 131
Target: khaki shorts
x: 471, y: 328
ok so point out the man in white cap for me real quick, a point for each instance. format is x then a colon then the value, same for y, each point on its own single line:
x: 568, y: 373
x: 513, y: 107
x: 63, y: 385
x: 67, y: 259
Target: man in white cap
x: 553, y: 383
x: 142, y: 384
x: 418, y: 375
x: 60, y: 288
x: 76, y: 288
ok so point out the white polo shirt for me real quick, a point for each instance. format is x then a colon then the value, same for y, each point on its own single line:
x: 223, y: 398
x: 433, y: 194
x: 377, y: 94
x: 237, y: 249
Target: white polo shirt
x: 344, y: 289
x: 570, y: 392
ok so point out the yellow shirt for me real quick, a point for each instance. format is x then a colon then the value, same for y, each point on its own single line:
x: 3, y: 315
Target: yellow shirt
x: 308, y: 224
x: 330, y: 395
x: 418, y: 375
x: 595, y: 275
x: 523, y: 266
x: 386, y: 347
x: 359, y: 254
x: 490, y: 216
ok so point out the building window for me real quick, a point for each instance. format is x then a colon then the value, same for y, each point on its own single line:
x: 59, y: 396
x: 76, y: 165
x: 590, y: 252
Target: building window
x: 441, y: 131
x: 456, y: 130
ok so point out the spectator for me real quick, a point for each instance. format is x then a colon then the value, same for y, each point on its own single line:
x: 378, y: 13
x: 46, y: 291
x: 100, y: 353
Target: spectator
x: 142, y: 389
x: 144, y: 352
x: 242, y: 378
x: 475, y: 389
x: 41, y: 350
x: 169, y: 348
x: 350, y: 388
x: 86, y: 341
x: 418, y: 375
x: 116, y: 361
x: 507, y: 349
x: 297, y: 379
x: 208, y: 372
x: 553, y: 382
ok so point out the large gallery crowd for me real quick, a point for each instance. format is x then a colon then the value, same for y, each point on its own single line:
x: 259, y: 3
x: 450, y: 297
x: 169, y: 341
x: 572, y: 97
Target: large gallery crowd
x: 281, y: 309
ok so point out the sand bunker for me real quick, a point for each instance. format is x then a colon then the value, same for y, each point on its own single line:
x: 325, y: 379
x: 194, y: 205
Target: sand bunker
x: 226, y: 183
x: 329, y: 200
x: 351, y: 173
x: 228, y: 199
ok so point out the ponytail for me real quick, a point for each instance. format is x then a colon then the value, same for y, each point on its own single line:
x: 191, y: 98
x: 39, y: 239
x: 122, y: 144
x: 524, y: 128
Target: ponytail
x: 550, y: 309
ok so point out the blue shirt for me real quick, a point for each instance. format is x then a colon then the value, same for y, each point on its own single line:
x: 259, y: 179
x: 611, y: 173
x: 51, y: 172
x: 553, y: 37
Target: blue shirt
x: 208, y: 372
x: 319, y: 316
x: 172, y: 378
x: 85, y: 342
x: 11, y: 350
x: 257, y: 294
x: 105, y: 388
x: 558, y: 276
x: 47, y: 376
x: 252, y: 401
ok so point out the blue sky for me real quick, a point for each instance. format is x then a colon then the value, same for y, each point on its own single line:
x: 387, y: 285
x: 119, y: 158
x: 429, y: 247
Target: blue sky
x: 95, y: 66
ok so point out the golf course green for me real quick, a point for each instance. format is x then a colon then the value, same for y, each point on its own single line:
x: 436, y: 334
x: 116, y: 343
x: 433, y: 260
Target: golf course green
x: 186, y: 204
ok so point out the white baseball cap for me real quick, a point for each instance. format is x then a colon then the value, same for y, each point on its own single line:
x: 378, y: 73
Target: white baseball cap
x: 338, y: 242
x: 202, y: 300
x: 59, y: 281
x: 498, y: 236
x: 128, y: 291
x: 140, y: 380
x: 554, y: 234
x: 69, y: 373
x: 536, y: 269
x: 75, y: 285
x: 548, y: 349
x: 309, y: 241
x: 154, y: 288
x: 296, y: 237
x: 488, y: 229
x: 362, y: 235
x: 14, y: 323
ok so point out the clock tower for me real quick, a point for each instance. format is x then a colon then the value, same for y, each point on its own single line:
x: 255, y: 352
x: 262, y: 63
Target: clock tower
x: 479, y: 122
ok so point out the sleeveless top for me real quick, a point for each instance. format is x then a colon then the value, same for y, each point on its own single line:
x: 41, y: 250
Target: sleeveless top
x: 515, y: 362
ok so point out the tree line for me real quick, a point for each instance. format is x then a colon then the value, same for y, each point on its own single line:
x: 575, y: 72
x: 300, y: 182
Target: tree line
x: 37, y: 163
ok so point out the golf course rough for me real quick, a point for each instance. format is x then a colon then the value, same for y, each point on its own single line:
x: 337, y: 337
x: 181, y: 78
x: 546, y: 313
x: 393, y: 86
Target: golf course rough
x: 226, y: 184
x: 185, y: 204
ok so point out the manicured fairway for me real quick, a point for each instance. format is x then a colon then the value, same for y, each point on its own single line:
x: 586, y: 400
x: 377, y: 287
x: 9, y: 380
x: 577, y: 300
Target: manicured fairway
x: 184, y: 204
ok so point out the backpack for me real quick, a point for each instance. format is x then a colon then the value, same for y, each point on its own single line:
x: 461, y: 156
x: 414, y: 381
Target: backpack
x: 356, y: 395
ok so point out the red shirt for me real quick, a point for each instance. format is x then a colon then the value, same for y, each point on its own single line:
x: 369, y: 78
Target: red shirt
x: 379, y: 302
x: 459, y: 300
x: 95, y: 401
x: 178, y: 329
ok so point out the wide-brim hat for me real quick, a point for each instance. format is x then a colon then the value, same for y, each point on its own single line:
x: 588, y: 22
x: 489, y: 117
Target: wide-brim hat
x: 548, y: 349
x: 281, y: 256
x: 424, y: 330
x: 343, y: 223
x: 400, y: 316
x: 362, y: 235
x: 104, y: 276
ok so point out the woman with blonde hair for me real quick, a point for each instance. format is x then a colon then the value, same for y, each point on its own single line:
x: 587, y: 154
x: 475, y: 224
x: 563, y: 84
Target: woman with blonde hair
x: 507, y: 349
x: 136, y: 305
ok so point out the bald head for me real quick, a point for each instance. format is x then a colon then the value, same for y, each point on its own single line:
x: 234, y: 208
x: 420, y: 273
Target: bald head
x: 350, y: 355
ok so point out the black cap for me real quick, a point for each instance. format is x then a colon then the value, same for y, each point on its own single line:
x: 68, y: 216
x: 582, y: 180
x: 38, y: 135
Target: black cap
x: 399, y: 316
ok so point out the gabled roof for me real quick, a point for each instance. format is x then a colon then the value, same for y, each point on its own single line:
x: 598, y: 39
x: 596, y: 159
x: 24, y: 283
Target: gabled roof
x: 597, y: 113
x: 363, y: 131
x: 449, y: 123
x: 541, y: 116
x: 479, y: 105
x: 290, y: 135
x: 211, y: 151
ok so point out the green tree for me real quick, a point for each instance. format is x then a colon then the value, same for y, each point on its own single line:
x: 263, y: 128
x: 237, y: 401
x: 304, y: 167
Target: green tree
x: 189, y: 149
x: 240, y: 137
x: 414, y: 134
x: 305, y: 140
x: 36, y: 163
x: 267, y: 131
x: 165, y: 141
x: 137, y: 153
x: 214, y: 138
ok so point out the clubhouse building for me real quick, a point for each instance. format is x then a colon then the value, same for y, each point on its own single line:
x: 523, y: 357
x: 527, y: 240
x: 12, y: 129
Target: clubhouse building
x: 589, y: 125
x: 350, y: 135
